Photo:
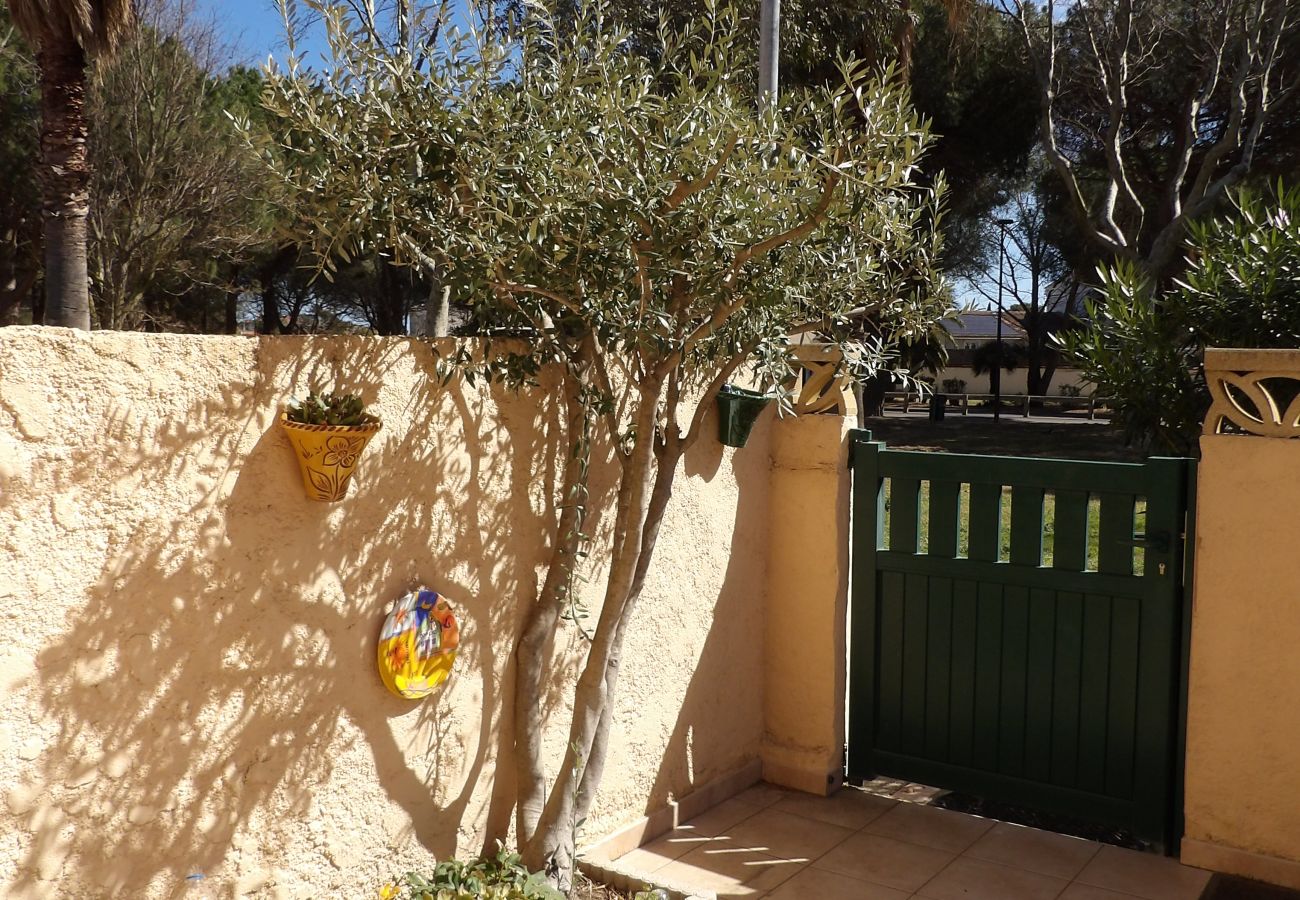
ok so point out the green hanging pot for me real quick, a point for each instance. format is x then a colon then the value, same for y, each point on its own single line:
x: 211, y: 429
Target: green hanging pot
x: 738, y: 410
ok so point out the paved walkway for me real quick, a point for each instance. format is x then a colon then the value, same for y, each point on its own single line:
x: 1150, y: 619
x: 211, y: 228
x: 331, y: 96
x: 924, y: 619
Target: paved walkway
x: 779, y: 845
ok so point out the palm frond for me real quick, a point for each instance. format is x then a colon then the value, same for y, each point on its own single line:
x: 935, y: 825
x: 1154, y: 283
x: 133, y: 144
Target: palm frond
x: 97, y: 26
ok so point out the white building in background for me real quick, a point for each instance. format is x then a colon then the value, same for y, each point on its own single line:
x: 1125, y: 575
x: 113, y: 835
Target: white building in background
x: 969, y: 330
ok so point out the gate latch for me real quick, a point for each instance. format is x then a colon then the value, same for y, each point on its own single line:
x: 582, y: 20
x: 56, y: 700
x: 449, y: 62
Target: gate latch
x: 1157, y: 540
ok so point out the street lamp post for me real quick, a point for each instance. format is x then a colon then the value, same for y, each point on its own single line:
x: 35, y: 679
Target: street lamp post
x: 769, y: 51
x: 997, y: 363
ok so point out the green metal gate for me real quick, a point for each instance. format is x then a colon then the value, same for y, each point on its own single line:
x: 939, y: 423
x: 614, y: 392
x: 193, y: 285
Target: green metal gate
x: 1017, y: 630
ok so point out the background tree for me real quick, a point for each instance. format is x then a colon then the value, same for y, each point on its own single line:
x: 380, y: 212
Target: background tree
x: 176, y: 186
x: 1145, y: 346
x: 650, y: 233
x: 992, y: 359
x: 1037, y: 292
x: 20, y: 217
x: 66, y: 35
x: 1152, y: 110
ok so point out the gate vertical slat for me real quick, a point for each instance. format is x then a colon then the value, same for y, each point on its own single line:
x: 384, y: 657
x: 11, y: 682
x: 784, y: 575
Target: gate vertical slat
x: 1065, y: 689
x: 1027, y: 526
x: 904, y: 514
x: 1121, y: 716
x: 1070, y: 526
x: 1015, y: 653
x: 985, y: 521
x: 938, y: 675
x: 965, y: 615
x: 915, y: 634
x: 1115, y: 534
x: 889, y: 709
x: 1040, y: 668
x: 988, y: 675
x: 1094, y: 692
x: 945, y: 503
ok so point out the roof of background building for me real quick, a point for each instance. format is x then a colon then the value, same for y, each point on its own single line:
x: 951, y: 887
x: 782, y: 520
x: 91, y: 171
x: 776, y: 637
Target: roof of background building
x: 982, y: 325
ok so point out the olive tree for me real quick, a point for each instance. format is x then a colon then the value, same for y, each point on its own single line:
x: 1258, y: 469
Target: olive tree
x: 652, y: 234
x: 1152, y: 111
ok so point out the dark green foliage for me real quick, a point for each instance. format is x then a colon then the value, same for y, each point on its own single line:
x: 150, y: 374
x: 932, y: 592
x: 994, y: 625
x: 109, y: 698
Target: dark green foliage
x: 20, y: 244
x: 331, y: 409
x: 991, y: 355
x: 1145, y: 348
x: 971, y: 81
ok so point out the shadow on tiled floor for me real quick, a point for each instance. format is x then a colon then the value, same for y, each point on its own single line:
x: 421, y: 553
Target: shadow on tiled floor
x: 778, y: 845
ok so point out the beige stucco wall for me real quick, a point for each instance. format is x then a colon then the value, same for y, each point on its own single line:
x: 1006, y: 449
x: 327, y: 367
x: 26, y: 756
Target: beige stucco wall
x: 187, y: 681
x: 1243, y: 731
x: 808, y: 580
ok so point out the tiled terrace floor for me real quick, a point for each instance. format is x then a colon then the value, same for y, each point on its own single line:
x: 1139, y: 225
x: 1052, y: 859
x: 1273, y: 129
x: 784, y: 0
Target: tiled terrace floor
x: 777, y: 845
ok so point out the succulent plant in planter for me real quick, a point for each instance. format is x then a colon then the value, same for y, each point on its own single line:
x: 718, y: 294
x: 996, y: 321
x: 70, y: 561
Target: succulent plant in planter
x: 328, y: 433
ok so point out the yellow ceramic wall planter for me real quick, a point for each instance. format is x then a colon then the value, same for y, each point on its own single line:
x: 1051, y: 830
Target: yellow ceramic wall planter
x: 327, y: 454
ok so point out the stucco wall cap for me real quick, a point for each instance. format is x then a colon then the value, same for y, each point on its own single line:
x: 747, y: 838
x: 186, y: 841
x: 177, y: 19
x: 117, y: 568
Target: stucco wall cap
x: 1239, y: 359
x: 810, y: 442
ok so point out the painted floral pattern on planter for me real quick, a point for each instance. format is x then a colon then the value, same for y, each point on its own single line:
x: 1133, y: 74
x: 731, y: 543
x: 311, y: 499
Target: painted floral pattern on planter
x: 327, y: 455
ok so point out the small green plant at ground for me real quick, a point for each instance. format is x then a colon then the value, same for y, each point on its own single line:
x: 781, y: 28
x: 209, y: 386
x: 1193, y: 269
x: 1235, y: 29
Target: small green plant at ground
x: 330, y: 409
x: 500, y: 877
x: 1071, y: 390
x: 954, y: 385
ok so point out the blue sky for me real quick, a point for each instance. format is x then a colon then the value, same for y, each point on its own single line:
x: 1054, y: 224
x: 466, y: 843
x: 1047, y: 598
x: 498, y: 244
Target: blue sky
x: 253, y: 27
x: 255, y: 30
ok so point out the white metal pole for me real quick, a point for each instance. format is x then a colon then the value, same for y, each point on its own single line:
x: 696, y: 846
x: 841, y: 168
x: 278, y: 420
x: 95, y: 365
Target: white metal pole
x: 769, y: 51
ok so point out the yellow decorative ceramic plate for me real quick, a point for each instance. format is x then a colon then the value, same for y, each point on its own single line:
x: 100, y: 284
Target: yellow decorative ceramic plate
x: 417, y: 645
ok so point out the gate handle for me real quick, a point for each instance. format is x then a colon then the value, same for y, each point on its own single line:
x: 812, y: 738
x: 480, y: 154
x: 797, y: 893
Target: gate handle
x: 1156, y: 540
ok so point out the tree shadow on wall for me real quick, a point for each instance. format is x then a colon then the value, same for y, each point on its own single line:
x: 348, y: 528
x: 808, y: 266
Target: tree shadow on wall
x: 708, y: 738
x: 215, y: 700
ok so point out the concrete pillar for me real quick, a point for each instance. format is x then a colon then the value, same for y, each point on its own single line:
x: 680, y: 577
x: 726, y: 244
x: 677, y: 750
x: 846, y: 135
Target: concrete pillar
x: 1241, y: 800
x: 807, y: 603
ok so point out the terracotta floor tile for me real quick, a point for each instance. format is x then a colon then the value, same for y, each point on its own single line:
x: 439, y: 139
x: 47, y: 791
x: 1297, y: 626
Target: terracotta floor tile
x: 738, y: 863
x: 1058, y: 855
x: 775, y: 875
x: 725, y: 815
x: 728, y: 873
x: 975, y: 879
x: 847, y: 807
x: 763, y: 795
x: 1078, y: 891
x: 816, y: 884
x: 677, y: 842
x: 885, y: 861
x: 786, y: 835
x: 942, y: 829
x: 1143, y: 875
x: 642, y: 861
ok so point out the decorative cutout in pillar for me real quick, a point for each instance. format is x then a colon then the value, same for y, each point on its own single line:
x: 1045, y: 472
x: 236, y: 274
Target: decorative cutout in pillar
x: 825, y: 384
x: 1253, y: 392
